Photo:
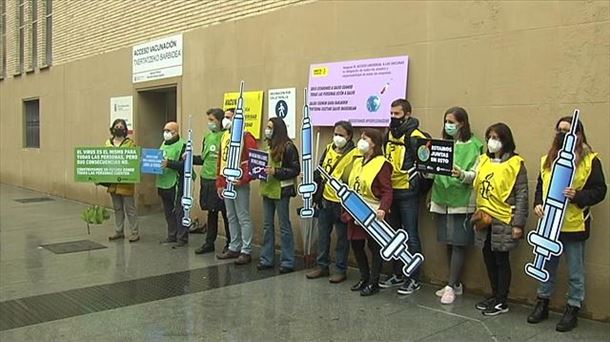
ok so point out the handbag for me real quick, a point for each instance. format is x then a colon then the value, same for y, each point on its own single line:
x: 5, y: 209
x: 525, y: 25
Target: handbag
x: 481, y: 220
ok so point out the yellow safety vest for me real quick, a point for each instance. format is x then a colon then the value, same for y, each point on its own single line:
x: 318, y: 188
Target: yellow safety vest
x: 574, y: 218
x: 362, y: 176
x: 395, y: 151
x: 224, y: 150
x: 330, y: 159
x: 494, y: 183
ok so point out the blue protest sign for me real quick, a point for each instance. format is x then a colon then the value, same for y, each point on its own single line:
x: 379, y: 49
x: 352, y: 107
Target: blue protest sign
x: 151, y: 161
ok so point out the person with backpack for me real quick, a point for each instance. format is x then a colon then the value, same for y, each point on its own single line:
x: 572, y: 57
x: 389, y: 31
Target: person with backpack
x: 336, y: 159
x: 452, y: 201
x: 400, y: 151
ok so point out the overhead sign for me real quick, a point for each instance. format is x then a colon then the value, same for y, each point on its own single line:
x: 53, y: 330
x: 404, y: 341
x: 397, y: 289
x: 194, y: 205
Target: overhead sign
x: 434, y: 156
x: 359, y: 91
x: 157, y: 59
x: 253, y: 109
x: 282, y: 103
x: 122, y: 108
x: 107, y: 164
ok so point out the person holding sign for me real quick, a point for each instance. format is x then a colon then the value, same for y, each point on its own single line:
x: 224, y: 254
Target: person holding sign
x: 283, y: 168
x: 336, y: 159
x: 501, y: 212
x: 371, y: 177
x: 123, y: 201
x: 452, y: 201
x: 208, y: 197
x: 588, y: 188
x: 238, y: 209
x: 169, y: 184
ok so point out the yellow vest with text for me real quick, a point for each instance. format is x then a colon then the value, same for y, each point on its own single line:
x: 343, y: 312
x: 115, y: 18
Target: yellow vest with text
x: 224, y: 148
x: 574, y: 218
x: 494, y: 183
x: 362, y: 176
x: 330, y: 159
x: 395, y: 151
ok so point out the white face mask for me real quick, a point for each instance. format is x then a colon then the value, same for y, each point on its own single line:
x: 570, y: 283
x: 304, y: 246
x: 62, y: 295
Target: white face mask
x: 226, y: 123
x: 494, y: 146
x: 339, y: 141
x: 363, y: 146
x: 167, y: 136
x: 268, y: 133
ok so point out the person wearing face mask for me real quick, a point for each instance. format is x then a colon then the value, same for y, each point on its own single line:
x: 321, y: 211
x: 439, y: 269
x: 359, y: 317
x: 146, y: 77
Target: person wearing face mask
x: 400, y: 151
x: 208, y: 197
x: 282, y: 170
x: 122, y: 194
x: 500, y: 185
x: 371, y: 177
x: 238, y: 210
x: 336, y: 160
x: 588, y: 188
x: 170, y: 184
x: 452, y: 202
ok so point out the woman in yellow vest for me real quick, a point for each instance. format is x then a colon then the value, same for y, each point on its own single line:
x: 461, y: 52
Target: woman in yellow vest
x: 336, y: 159
x: 122, y: 195
x: 282, y: 170
x: 588, y: 188
x: 501, y: 200
x: 371, y: 177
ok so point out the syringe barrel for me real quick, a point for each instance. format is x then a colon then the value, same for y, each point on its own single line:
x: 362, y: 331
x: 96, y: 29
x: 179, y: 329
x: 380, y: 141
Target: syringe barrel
x: 357, y: 207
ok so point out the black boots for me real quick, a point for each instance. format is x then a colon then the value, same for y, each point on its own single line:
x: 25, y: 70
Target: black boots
x: 569, y: 320
x: 541, y: 311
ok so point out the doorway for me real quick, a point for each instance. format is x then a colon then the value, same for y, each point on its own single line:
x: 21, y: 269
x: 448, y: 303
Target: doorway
x: 155, y: 107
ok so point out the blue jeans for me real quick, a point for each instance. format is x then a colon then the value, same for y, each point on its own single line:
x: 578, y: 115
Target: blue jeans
x: 404, y: 215
x: 240, y: 222
x: 575, y: 254
x: 282, y: 206
x: 329, y: 217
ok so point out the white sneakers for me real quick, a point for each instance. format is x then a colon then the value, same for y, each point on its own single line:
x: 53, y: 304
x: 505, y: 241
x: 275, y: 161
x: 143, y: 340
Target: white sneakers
x: 448, y: 293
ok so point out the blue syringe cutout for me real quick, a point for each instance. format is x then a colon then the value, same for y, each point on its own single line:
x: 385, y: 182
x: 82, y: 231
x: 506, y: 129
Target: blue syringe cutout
x: 393, y: 244
x: 187, y: 196
x: 232, y: 172
x: 308, y: 187
x: 545, y: 239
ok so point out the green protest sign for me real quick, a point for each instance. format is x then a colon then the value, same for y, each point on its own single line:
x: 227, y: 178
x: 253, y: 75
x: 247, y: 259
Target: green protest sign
x: 107, y: 164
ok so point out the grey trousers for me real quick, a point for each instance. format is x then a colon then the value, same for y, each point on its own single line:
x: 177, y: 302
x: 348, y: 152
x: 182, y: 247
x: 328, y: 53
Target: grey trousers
x: 124, y: 205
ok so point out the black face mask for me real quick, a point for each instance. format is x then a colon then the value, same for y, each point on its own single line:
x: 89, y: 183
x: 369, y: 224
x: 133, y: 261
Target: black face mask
x: 119, y: 132
x: 396, y: 122
x: 560, y: 138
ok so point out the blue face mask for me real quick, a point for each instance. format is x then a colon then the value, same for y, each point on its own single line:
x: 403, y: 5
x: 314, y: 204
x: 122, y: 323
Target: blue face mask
x: 451, y: 129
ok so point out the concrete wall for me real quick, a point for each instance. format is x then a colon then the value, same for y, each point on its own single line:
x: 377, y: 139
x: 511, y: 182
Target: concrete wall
x: 523, y: 63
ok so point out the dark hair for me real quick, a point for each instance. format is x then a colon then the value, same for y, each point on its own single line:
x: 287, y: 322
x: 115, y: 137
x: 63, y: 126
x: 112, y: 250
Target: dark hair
x: 218, y: 113
x: 279, y: 139
x: 232, y: 110
x: 462, y: 117
x: 377, y: 139
x: 115, y: 122
x: 581, y: 143
x: 406, y: 106
x: 505, y: 135
x: 347, y: 126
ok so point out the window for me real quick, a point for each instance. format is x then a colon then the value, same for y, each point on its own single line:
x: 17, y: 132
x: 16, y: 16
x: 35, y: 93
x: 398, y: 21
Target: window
x: 48, y: 32
x: 2, y: 39
x: 34, y: 32
x: 20, y: 36
x: 32, y: 123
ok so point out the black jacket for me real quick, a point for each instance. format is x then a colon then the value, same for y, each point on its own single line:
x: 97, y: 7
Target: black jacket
x: 290, y: 168
x: 592, y: 193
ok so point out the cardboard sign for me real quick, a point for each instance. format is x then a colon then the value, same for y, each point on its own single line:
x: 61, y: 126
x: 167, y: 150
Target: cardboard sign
x: 434, y: 156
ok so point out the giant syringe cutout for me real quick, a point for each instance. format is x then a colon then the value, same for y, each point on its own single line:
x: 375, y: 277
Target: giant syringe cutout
x: 545, y: 239
x: 308, y: 187
x: 232, y: 172
x: 393, y: 244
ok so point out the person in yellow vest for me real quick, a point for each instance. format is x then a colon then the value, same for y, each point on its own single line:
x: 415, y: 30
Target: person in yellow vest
x: 502, y: 198
x: 400, y: 151
x: 169, y: 184
x: 588, y: 188
x: 336, y: 159
x: 452, y: 202
x: 282, y: 169
x: 123, y: 201
x: 370, y: 177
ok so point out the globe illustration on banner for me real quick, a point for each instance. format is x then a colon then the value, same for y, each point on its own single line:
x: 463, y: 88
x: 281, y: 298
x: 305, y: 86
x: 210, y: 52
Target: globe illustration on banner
x: 373, y: 103
x: 423, y: 153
